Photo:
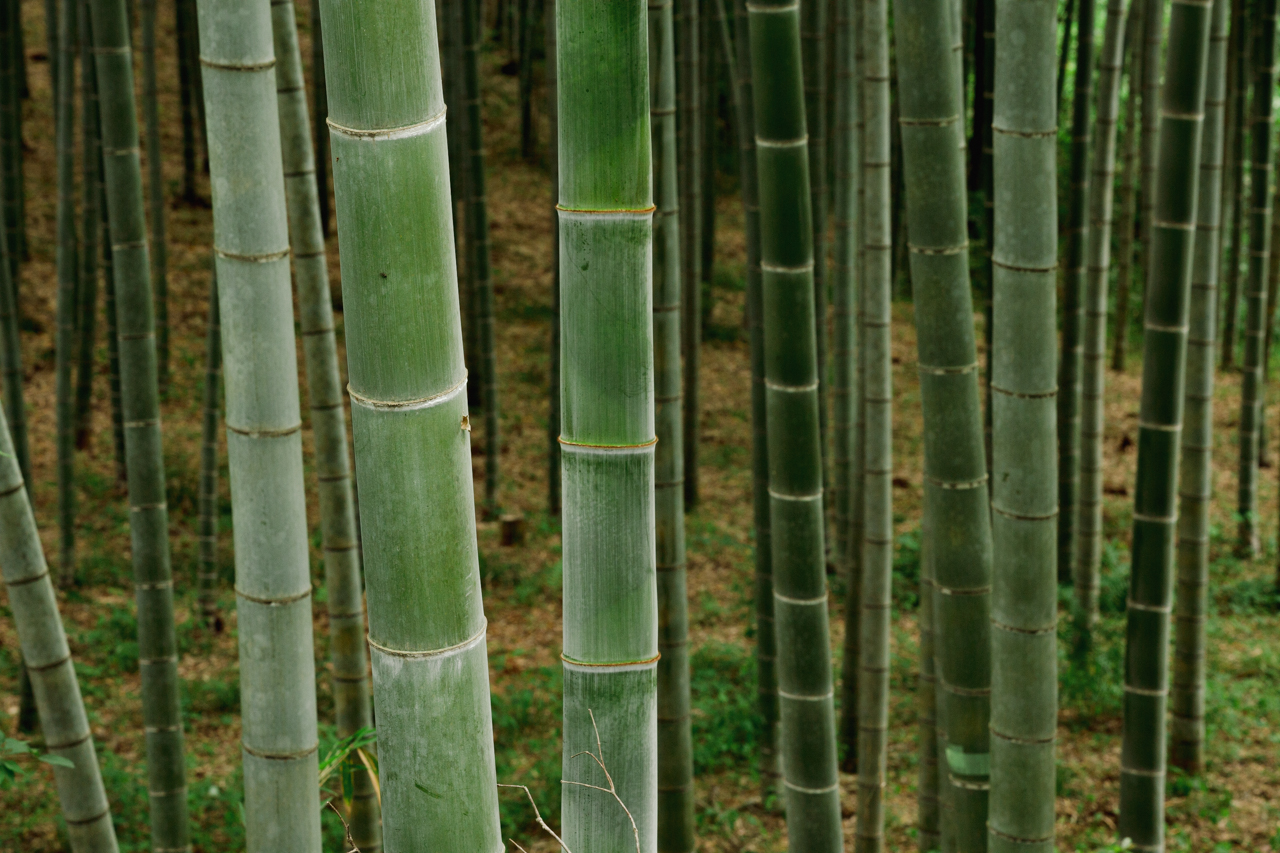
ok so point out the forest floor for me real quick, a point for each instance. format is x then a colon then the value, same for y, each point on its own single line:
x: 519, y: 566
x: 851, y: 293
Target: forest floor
x: 1233, y: 806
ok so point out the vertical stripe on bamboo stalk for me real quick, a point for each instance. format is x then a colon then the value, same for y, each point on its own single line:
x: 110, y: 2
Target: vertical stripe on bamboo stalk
x: 611, y: 624
x: 809, y: 772
x: 877, y: 403
x: 1142, y: 756
x: 956, y: 497
x: 68, y: 282
x: 1186, y: 724
x: 675, y: 745
x: 328, y: 418
x: 689, y: 138
x: 263, y: 424
x: 1135, y: 34
x: 1094, y: 377
x: 553, y: 157
x: 91, y: 225
x: 1233, y: 188
x: 155, y: 189
x: 48, y: 659
x: 1024, y: 496
x: 1257, y: 311
x: 411, y: 426
x: 140, y: 414
x: 207, y: 580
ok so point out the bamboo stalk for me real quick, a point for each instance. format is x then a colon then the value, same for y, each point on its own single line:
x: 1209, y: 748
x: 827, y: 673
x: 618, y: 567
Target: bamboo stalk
x: 207, y: 579
x: 68, y: 281
x: 810, y: 776
x: 553, y: 157
x: 320, y: 113
x: 263, y: 427
x: 813, y: 48
x: 410, y: 425
x: 182, y: 27
x: 91, y: 226
x: 328, y: 420
x: 1142, y: 755
x: 11, y: 361
x: 1186, y: 748
x: 113, y: 347
x: 689, y: 138
x: 928, y: 811
x: 1233, y: 187
x: 1153, y: 29
x: 1024, y: 496
x: 527, y: 140
x: 11, y: 202
x: 155, y: 192
x: 1135, y: 34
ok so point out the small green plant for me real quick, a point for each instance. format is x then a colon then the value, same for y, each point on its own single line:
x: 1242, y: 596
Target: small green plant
x: 14, y: 753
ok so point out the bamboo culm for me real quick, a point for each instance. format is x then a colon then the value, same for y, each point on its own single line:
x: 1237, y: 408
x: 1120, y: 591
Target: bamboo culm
x: 140, y: 414
x: 11, y: 356
x: 1024, y: 497
x: 689, y: 138
x: 527, y: 140
x: 410, y: 425
x: 1153, y: 29
x: 1257, y: 312
x: 1089, y: 519
x: 1233, y: 189
x: 553, y: 379
x: 44, y: 648
x: 263, y: 429
x: 186, y: 94
x: 958, y: 526
x: 11, y: 202
x: 113, y: 348
x: 813, y: 49
x: 1134, y: 32
x: 1142, y: 755
x: 91, y: 226
x: 320, y: 113
x: 809, y: 772
x: 1186, y: 723
x: 207, y: 580
x: 328, y: 419
x: 68, y: 281
x: 927, y: 803
x: 156, y: 193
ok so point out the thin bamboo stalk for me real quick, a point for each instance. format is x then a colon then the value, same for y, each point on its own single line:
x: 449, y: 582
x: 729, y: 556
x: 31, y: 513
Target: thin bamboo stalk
x: 1153, y: 29
x: 1168, y: 292
x: 91, y: 226
x: 263, y: 427
x: 810, y: 776
x: 553, y: 157
x: 68, y: 281
x: 1135, y: 35
x: 11, y: 362
x: 813, y: 48
x: 320, y: 114
x: 11, y: 202
x: 1186, y: 723
x: 207, y: 579
x: 527, y: 140
x: 928, y: 812
x: 155, y: 192
x: 1233, y: 189
x: 1024, y: 497
x: 113, y: 346
x: 689, y: 139
x: 1068, y: 22
x: 186, y: 94
x: 988, y: 207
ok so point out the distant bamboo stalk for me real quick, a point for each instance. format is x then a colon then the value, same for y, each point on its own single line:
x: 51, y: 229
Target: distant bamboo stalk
x: 1153, y: 30
x: 155, y: 192
x: 11, y: 363
x: 813, y: 49
x: 689, y: 93
x: 183, y: 26
x: 319, y: 116
x: 1129, y: 178
x: 91, y: 227
x: 68, y: 281
x: 13, y: 221
x: 1233, y: 178
x: 207, y: 580
x: 553, y: 157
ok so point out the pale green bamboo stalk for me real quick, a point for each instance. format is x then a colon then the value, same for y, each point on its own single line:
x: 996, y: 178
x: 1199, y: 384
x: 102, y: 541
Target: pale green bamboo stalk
x: 155, y: 191
x: 675, y: 742
x: 1088, y: 549
x: 689, y: 138
x: 140, y: 416
x: 607, y: 419
x: 1186, y: 747
x: 68, y: 280
x: 876, y: 307
x: 347, y: 649
x: 809, y: 773
x: 207, y: 579
x: 1024, y: 496
x: 91, y: 226
x: 264, y: 429
x: 956, y: 497
x: 1142, y: 754
x: 411, y: 427
x: 53, y: 677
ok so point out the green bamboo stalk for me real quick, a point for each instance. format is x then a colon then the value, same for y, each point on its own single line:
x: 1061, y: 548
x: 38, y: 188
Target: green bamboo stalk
x: 527, y: 140
x: 328, y: 420
x: 1024, y: 496
x: 320, y: 113
x: 956, y: 504
x: 478, y: 255
x: 113, y: 354
x: 11, y: 362
x: 675, y: 743
x: 1233, y: 189
x: 11, y: 202
x: 155, y: 191
x: 710, y: 129
x: 182, y: 27
x: 68, y: 281
x: 877, y: 402
x: 927, y: 804
x: 1153, y: 28
x: 689, y: 139
x: 411, y: 427
x: 1068, y: 22
x: 44, y: 648
x: 1186, y: 747
x: 91, y: 226
x: 611, y: 624
x: 263, y: 424
x: 988, y: 207
x: 809, y: 773
x: 1135, y: 34
x: 553, y: 156
x: 140, y: 414
x: 813, y: 48
x: 1257, y: 311
x: 1168, y: 292
x: 207, y: 579
x: 957, y: 61
x: 1101, y: 199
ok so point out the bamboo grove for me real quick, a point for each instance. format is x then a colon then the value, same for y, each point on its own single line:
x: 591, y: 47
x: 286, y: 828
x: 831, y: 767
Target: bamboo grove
x: 730, y: 424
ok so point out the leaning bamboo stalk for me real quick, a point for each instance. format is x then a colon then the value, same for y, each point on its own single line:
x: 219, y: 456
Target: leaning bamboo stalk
x: 1186, y: 724
x: 207, y: 579
x: 1142, y: 755
x: 328, y: 419
x: 48, y: 659
x: 411, y: 428
x: 68, y: 281
x: 1024, y: 497
x: 140, y: 415
x: 263, y: 427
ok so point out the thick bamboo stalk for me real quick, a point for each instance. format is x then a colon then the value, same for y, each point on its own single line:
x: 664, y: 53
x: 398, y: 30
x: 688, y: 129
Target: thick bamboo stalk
x: 689, y: 138
x: 328, y: 419
x: 410, y: 426
x: 810, y: 776
x: 956, y: 497
x: 140, y: 414
x: 155, y: 191
x: 553, y: 157
x: 207, y: 580
x: 320, y: 115
x: 1024, y: 497
x: 877, y: 404
x: 675, y: 743
x: 1233, y: 188
x: 1094, y: 378
x: 48, y: 659
x: 1135, y: 34
x: 1168, y: 293
x: 264, y: 430
x: 91, y: 226
x: 1186, y: 724
x: 1073, y: 294
x: 68, y: 281
x: 1257, y: 312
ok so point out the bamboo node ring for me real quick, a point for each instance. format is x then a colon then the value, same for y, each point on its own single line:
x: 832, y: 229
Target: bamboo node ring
x: 403, y: 132
x: 448, y: 651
